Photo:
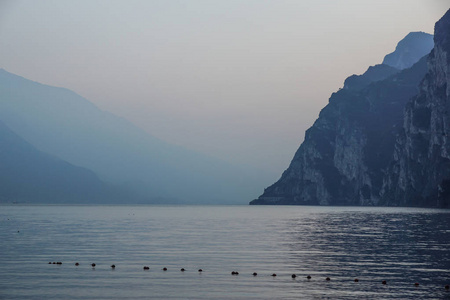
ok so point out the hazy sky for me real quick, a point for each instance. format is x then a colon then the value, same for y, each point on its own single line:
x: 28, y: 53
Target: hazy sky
x: 239, y: 80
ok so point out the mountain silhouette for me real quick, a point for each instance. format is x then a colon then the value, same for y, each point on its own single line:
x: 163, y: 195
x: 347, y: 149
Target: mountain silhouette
x: 350, y: 155
x: 61, y: 123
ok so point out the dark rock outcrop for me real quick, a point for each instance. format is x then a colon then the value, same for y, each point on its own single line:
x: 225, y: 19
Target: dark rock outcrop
x: 420, y: 171
x: 372, y: 144
x: 342, y: 159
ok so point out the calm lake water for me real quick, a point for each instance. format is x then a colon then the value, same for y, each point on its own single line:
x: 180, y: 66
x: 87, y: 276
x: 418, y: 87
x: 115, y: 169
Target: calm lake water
x: 399, y: 245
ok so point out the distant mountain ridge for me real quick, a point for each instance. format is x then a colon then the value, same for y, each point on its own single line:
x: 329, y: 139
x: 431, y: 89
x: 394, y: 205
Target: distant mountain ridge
x: 409, y: 50
x: 63, y: 124
x: 359, y: 151
x: 29, y: 175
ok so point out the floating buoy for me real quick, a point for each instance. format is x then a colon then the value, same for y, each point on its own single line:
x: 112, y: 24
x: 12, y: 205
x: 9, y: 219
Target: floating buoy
x: 234, y: 273
x: 356, y: 280
x: 384, y: 282
x: 164, y: 269
x: 93, y: 265
x: 113, y: 266
x: 255, y: 274
x: 49, y: 262
x: 200, y: 270
x: 77, y: 264
x: 308, y: 277
x: 59, y: 263
x: 327, y: 279
x: 273, y: 275
x: 146, y: 268
x: 447, y: 287
x: 54, y: 263
x: 293, y: 275
x: 182, y: 270
x: 416, y: 284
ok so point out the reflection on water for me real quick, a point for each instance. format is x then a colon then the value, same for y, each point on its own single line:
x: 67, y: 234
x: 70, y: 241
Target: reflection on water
x: 401, y: 246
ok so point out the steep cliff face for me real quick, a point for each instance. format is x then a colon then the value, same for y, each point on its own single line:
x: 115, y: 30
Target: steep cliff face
x: 345, y: 154
x: 342, y: 158
x: 420, y: 172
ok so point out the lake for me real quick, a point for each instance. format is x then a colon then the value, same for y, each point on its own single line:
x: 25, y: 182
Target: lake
x: 401, y: 246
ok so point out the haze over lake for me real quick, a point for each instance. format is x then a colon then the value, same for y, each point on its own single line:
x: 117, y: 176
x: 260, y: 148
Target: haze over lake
x: 133, y: 134
x: 240, y: 81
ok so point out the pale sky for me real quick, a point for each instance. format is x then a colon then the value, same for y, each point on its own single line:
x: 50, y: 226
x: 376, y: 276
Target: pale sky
x: 238, y: 80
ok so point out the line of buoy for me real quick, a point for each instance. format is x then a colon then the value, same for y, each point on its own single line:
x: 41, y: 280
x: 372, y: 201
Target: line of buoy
x: 384, y: 282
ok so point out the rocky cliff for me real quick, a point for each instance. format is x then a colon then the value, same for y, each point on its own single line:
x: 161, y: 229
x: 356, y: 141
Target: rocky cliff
x: 367, y: 146
x: 420, y: 171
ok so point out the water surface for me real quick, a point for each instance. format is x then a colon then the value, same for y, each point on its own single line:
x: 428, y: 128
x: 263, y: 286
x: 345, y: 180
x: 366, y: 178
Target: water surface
x: 399, y: 245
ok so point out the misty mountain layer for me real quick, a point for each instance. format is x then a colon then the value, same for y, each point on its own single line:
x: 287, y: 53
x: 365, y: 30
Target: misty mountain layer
x: 27, y: 174
x: 63, y: 124
x: 383, y: 138
x: 409, y: 50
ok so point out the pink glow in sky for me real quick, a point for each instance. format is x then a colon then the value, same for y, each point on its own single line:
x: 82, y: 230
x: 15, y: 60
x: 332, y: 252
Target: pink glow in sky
x: 238, y: 80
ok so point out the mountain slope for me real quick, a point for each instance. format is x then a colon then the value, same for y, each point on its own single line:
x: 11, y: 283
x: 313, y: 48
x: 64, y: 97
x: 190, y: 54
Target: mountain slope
x: 29, y: 175
x: 343, y: 158
x: 420, y: 172
x: 409, y: 50
x: 59, y: 122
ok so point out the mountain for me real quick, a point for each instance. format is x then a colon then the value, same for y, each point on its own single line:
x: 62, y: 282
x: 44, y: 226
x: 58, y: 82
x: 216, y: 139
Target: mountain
x: 369, y: 144
x: 420, y: 171
x: 409, y: 50
x: 63, y: 124
x: 29, y: 175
